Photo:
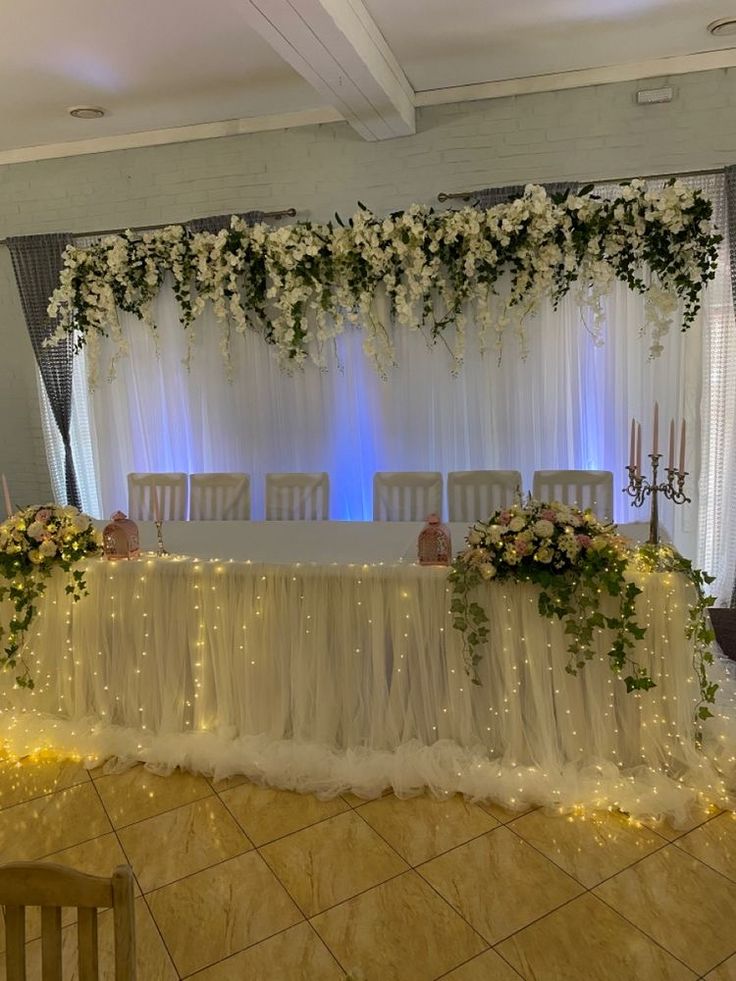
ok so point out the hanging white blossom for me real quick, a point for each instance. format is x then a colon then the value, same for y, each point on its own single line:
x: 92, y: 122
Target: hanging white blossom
x: 299, y: 285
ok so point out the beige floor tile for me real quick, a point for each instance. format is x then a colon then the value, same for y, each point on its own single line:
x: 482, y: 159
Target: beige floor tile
x: 681, y: 903
x: 35, y: 776
x: 354, y: 801
x: 266, y: 814
x: 499, y: 883
x: 501, y: 814
x: 45, y: 825
x: 699, y: 816
x: 100, y: 856
x: 331, y: 861
x: 213, y: 914
x: 724, y: 972
x: 587, y: 941
x: 152, y: 961
x: 194, y: 837
x: 486, y: 967
x: 399, y: 931
x: 297, y: 954
x: 590, y: 849
x: 714, y: 843
x: 227, y: 783
x: 138, y: 794
x: 421, y: 828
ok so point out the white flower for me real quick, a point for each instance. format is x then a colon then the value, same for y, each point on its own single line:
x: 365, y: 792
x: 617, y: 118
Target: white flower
x: 517, y: 524
x: 36, y: 530
x: 487, y: 570
x: 544, y: 528
x: 47, y: 548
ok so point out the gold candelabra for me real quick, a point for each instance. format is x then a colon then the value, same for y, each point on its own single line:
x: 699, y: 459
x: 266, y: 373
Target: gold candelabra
x: 639, y: 488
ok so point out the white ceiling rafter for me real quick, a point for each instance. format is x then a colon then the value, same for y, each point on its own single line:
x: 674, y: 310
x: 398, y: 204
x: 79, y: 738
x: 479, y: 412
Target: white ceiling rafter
x: 337, y: 48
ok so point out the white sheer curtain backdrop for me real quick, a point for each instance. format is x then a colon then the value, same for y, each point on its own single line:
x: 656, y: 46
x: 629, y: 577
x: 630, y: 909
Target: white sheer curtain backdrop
x: 568, y: 405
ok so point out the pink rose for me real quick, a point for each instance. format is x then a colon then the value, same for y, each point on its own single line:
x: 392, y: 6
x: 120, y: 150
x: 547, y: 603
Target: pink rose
x: 583, y: 540
x: 504, y: 518
x: 522, y: 547
x: 43, y: 515
x: 548, y: 514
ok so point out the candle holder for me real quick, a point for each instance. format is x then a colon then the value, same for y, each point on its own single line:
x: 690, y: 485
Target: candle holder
x: 160, y: 547
x: 672, y: 489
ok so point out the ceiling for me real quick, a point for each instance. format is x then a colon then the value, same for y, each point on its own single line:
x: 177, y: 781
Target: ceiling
x: 167, y: 70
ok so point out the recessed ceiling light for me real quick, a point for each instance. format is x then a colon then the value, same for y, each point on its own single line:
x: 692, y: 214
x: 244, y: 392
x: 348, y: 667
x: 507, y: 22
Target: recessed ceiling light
x: 723, y: 27
x: 86, y: 112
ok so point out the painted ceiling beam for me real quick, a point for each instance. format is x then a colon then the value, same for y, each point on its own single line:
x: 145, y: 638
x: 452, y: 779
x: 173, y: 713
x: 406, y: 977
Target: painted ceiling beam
x: 336, y: 46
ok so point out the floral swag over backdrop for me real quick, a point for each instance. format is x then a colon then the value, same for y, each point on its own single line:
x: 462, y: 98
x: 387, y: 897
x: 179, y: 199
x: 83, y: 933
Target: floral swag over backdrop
x: 301, y: 284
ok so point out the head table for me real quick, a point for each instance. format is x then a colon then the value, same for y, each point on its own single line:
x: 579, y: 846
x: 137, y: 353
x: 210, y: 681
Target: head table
x: 328, y: 676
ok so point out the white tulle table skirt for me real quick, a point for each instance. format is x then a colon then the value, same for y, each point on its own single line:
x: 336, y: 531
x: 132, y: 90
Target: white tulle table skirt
x: 328, y: 678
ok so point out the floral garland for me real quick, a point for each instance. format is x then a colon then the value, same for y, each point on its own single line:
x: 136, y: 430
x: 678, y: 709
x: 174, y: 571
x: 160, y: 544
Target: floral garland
x: 34, y: 542
x: 299, y: 285
x: 573, y: 558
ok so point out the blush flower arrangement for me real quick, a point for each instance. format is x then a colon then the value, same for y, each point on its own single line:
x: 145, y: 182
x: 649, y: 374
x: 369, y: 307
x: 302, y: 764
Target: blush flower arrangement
x: 34, y: 542
x: 575, y: 559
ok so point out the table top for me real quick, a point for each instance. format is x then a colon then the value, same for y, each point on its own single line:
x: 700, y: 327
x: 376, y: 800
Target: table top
x: 341, y: 542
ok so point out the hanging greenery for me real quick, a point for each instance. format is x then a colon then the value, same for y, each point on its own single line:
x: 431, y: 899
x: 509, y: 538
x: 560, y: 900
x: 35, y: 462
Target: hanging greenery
x: 576, y: 561
x: 299, y: 285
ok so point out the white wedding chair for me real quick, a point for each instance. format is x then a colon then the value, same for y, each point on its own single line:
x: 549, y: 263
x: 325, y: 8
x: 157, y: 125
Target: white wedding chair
x: 474, y: 495
x: 219, y: 497
x: 52, y: 887
x: 297, y: 496
x: 585, y: 488
x: 171, y: 490
x: 408, y: 495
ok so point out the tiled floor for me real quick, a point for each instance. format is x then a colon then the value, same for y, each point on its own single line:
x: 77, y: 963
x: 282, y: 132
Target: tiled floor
x: 241, y: 883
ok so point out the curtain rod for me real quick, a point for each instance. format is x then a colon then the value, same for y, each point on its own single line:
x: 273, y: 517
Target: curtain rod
x: 464, y: 195
x: 285, y: 213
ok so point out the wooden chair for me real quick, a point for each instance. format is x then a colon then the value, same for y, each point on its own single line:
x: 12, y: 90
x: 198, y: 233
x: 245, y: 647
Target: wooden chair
x: 297, y: 496
x: 52, y: 887
x: 474, y: 495
x: 219, y: 497
x: 169, y: 488
x: 408, y: 495
x: 585, y: 488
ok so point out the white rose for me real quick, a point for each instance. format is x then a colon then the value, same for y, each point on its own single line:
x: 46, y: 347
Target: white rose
x: 516, y: 524
x: 544, y: 528
x: 474, y: 538
x: 47, y: 548
x: 487, y: 570
x: 35, y: 556
x: 36, y: 530
x: 80, y: 522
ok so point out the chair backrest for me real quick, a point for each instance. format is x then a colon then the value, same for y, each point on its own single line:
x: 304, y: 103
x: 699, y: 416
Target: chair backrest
x: 171, y: 489
x: 297, y: 496
x: 219, y: 497
x: 585, y: 488
x: 407, y: 495
x: 51, y: 887
x: 474, y: 495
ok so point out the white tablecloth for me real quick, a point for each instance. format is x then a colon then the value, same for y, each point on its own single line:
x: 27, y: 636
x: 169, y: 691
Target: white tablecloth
x: 308, y: 541
x: 326, y: 678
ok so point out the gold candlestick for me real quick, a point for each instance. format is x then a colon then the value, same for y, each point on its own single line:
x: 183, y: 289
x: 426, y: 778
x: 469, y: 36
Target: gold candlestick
x: 160, y: 548
x: 672, y: 488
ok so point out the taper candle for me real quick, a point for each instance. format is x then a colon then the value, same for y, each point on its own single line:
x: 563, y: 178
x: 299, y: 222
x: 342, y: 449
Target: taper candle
x: 632, y: 442
x: 682, y: 447
x: 6, y: 495
x: 638, y: 449
x: 655, y: 436
x: 672, y: 444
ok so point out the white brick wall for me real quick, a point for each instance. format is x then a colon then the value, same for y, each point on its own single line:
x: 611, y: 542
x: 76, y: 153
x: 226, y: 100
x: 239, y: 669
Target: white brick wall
x: 592, y: 133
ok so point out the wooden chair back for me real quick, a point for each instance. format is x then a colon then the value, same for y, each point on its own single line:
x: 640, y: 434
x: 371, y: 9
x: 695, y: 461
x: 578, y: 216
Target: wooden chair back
x: 52, y: 887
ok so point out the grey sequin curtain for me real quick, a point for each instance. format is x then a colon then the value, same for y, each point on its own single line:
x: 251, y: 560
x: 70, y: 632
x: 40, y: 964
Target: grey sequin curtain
x: 37, y: 263
x: 730, y: 173
x: 490, y: 196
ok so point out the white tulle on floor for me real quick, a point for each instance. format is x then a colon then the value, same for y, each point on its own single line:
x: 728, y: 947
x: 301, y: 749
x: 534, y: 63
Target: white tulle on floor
x: 329, y: 678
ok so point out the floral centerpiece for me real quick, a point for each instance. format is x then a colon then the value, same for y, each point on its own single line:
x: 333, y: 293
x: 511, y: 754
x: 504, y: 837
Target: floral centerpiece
x: 33, y: 543
x: 577, y: 561
x: 572, y: 556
